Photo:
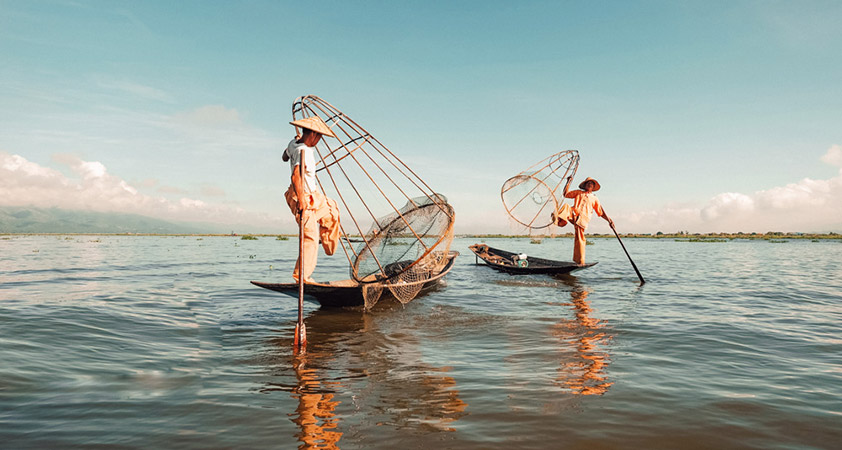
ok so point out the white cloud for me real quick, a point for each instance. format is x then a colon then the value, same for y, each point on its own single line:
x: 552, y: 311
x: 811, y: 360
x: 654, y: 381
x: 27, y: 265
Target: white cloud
x: 189, y: 203
x: 806, y: 206
x: 805, y: 194
x: 25, y: 183
x: 19, y: 177
x: 833, y: 156
x: 727, y: 204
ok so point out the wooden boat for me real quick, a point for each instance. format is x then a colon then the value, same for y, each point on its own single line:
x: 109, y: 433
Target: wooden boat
x: 344, y: 293
x: 505, y: 262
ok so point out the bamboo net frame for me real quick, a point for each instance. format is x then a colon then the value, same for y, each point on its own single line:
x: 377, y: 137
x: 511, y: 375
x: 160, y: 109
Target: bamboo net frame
x: 531, y: 196
x: 401, y: 225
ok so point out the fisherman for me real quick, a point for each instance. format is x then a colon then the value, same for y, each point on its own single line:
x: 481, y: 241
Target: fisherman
x: 579, y: 214
x: 320, y: 214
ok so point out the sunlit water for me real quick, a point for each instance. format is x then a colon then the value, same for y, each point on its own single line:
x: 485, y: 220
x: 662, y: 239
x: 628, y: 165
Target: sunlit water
x: 161, y: 342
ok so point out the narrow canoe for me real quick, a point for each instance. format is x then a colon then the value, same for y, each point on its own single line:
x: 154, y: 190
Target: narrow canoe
x: 344, y: 293
x: 503, y: 261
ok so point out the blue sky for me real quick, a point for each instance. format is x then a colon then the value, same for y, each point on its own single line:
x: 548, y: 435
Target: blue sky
x: 699, y: 116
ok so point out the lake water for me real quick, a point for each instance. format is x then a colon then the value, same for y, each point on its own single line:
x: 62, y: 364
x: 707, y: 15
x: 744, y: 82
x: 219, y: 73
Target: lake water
x: 161, y: 342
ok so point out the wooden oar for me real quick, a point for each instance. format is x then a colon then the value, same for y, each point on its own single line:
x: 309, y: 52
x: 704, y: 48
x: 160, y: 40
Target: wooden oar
x: 300, y: 341
x: 627, y: 254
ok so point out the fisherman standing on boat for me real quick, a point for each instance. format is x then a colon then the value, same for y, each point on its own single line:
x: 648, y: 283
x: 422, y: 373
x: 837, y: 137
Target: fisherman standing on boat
x: 320, y: 214
x: 579, y: 214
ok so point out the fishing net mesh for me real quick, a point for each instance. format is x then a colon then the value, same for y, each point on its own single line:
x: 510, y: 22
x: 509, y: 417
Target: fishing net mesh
x: 406, y: 285
x: 531, y: 196
x: 407, y: 246
x: 371, y: 294
x: 419, y: 255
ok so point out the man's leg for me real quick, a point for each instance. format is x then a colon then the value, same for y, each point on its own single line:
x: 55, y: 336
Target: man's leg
x: 563, y: 215
x: 311, y: 246
x: 329, y: 226
x: 579, y: 244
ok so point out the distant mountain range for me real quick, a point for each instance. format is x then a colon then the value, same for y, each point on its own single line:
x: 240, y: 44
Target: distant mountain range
x: 54, y: 220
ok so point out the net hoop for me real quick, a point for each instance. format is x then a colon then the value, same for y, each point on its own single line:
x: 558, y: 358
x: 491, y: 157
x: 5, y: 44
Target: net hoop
x: 388, y: 273
x: 525, y: 179
x: 527, y: 195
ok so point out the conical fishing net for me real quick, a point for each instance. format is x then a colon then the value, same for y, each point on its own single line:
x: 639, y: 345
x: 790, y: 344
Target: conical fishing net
x: 414, y: 244
x: 531, y: 196
x: 414, y: 238
x: 406, y: 228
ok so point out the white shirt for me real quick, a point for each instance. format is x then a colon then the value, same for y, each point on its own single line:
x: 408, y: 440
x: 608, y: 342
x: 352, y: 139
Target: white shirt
x: 294, y: 151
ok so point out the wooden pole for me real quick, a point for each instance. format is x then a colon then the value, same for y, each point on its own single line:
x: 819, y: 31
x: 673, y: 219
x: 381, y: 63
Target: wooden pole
x: 300, y: 340
x: 627, y: 254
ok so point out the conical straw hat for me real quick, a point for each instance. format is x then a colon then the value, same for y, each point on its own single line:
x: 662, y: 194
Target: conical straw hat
x: 314, y: 123
x: 596, y: 184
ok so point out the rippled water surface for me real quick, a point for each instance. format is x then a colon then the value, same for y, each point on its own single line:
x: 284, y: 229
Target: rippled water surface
x: 161, y: 342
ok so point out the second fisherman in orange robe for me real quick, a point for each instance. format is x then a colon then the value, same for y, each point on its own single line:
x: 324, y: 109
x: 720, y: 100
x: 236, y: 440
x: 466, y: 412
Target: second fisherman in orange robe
x: 584, y: 201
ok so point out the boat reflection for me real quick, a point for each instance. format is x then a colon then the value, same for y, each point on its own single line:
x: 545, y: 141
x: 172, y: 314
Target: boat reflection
x: 365, y: 368
x: 583, y: 372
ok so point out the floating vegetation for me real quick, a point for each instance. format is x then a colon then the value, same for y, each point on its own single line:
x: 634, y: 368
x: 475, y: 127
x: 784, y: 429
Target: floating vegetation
x: 248, y: 237
x: 587, y: 242
x: 252, y: 256
x: 535, y: 241
x: 200, y: 239
x: 778, y: 241
x: 815, y: 240
x: 701, y: 240
x: 282, y: 238
x: 398, y: 243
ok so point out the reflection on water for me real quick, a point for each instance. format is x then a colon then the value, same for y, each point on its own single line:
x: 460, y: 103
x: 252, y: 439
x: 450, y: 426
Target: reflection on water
x: 582, y: 372
x: 357, y: 367
x: 314, y: 391
x: 447, y: 406
x: 315, y: 414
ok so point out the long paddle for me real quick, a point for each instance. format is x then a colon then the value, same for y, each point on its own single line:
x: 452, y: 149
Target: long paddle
x: 300, y: 340
x: 627, y: 254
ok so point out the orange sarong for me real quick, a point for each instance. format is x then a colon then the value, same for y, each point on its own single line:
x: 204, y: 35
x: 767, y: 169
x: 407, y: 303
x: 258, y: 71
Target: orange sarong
x: 321, y: 220
x: 579, y: 215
